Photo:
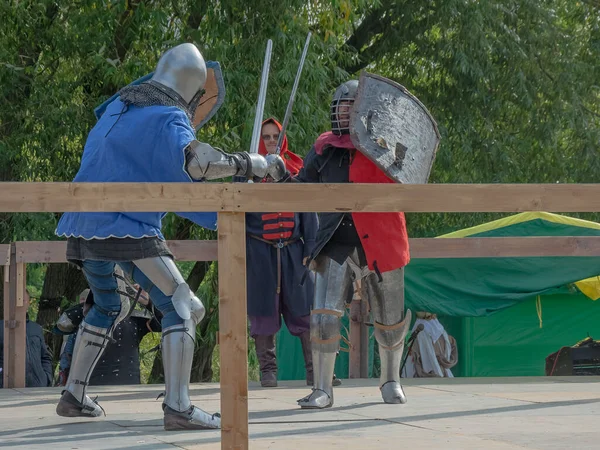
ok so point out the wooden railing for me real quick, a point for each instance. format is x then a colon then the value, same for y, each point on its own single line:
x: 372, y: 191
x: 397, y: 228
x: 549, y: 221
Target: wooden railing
x: 232, y: 200
x: 55, y: 252
x: 18, y: 255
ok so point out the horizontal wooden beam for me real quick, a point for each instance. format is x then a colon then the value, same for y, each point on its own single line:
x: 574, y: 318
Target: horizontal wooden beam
x: 61, y: 197
x: 357, y: 197
x: 298, y: 197
x: 198, y: 251
x: 55, y: 251
x: 492, y: 247
x: 488, y: 247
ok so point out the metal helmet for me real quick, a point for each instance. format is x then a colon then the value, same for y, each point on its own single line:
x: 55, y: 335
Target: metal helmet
x: 183, y: 70
x: 345, y: 95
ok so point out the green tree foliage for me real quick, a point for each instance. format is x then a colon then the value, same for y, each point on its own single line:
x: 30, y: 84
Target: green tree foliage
x: 513, y: 84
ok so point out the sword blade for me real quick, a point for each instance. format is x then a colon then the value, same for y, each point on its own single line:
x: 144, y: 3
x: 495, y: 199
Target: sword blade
x: 288, y: 111
x: 262, y: 95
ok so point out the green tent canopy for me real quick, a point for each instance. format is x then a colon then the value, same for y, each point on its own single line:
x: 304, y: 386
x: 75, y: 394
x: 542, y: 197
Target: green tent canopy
x: 475, y: 287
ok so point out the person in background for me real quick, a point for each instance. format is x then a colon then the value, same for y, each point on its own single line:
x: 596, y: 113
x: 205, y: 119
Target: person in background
x: 434, y: 352
x: 120, y: 363
x: 277, y: 246
x: 38, y: 364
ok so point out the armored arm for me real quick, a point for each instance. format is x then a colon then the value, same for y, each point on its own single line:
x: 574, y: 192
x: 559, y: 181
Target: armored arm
x: 203, y: 162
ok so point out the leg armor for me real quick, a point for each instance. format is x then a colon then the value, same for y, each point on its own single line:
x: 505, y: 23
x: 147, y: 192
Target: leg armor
x: 90, y: 343
x: 109, y: 308
x: 333, y: 286
x: 178, y: 353
x: 164, y: 274
x: 387, y: 303
x: 182, y: 311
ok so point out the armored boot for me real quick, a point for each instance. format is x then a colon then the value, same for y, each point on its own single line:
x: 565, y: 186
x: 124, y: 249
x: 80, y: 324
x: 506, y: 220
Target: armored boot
x: 322, y: 393
x: 307, y: 353
x: 89, y: 345
x: 308, y: 362
x: 391, y: 347
x: 325, y: 336
x: 178, y: 353
x: 267, y: 360
x: 332, y: 287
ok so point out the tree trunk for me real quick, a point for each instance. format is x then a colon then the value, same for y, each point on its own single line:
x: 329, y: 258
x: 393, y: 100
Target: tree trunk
x: 197, y: 274
x: 202, y: 371
x: 157, y: 375
x: 62, y: 281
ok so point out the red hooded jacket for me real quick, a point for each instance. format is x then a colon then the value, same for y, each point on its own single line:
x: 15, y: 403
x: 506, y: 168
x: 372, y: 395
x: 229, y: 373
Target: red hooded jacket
x: 293, y: 162
x: 383, y: 235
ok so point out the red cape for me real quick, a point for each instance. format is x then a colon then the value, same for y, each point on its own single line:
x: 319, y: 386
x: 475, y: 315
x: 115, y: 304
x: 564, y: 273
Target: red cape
x: 383, y: 235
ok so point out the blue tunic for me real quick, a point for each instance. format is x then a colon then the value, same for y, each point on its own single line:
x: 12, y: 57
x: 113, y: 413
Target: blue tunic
x: 261, y: 270
x: 133, y: 144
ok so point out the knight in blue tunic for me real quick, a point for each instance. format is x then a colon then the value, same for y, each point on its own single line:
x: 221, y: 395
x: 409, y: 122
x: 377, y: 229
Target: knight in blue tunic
x: 145, y: 134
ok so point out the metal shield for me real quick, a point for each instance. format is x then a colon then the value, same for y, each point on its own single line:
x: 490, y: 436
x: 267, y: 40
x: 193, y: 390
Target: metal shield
x: 214, y: 96
x: 209, y: 104
x: 392, y: 128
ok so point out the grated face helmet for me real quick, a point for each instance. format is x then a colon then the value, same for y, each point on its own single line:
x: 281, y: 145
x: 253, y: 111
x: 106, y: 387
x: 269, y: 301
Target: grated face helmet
x: 341, y: 104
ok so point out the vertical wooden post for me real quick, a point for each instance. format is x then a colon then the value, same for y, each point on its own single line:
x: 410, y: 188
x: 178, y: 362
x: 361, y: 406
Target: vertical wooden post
x: 15, y: 338
x: 355, y: 338
x: 364, y: 339
x: 233, y: 331
x: 6, y: 281
x: 359, y: 336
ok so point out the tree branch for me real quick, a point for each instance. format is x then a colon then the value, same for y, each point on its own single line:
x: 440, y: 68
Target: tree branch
x: 196, y: 276
x: 124, y: 39
x: 365, y: 57
x: 375, y: 23
x: 589, y: 110
x: 197, y: 13
x: 369, y: 27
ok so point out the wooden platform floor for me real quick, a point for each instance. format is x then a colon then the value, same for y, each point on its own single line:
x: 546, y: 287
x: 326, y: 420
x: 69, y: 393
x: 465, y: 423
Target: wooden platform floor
x: 462, y: 414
